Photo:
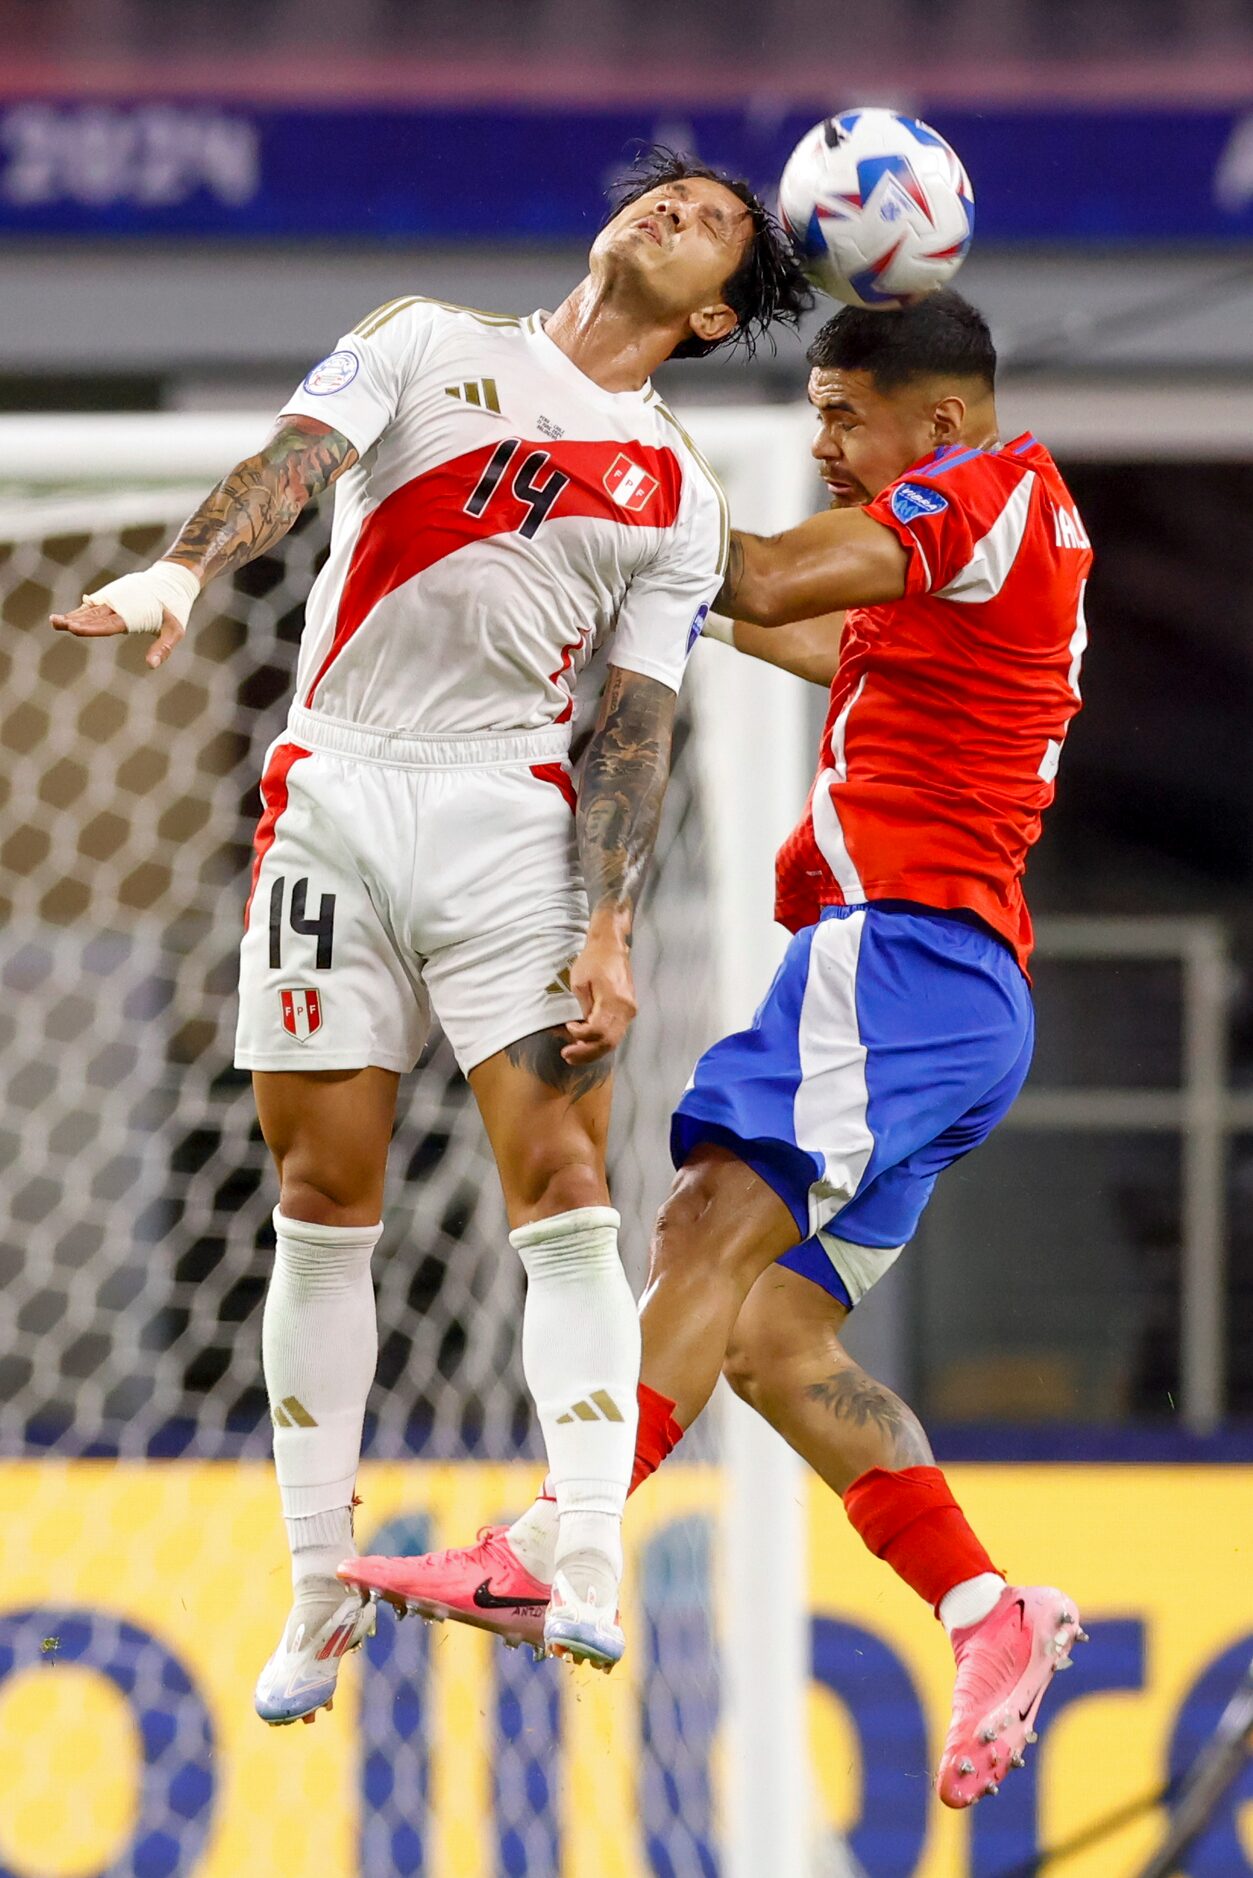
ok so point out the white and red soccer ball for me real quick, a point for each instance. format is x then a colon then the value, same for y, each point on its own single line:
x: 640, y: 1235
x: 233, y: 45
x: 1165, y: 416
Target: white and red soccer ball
x: 879, y: 206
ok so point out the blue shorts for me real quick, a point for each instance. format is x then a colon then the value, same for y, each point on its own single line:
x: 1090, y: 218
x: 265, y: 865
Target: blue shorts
x: 889, y: 1045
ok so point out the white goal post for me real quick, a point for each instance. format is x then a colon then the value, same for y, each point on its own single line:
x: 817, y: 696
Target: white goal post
x: 753, y: 739
x: 117, y: 484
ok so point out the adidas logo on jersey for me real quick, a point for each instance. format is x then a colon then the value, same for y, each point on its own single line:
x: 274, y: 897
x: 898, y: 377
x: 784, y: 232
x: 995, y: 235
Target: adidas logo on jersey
x: 481, y: 392
x: 630, y: 486
x: 600, y: 1407
x: 291, y: 1413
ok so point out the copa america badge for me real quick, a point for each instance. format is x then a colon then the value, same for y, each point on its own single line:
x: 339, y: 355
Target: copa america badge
x: 333, y: 374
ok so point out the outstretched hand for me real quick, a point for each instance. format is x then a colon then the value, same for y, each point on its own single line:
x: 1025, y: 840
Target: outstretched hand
x: 92, y: 621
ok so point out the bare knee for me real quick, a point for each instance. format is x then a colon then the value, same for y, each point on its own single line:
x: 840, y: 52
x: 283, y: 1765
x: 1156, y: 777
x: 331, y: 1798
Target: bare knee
x: 762, y: 1351
x: 719, y: 1220
x: 557, y: 1167
x: 323, y: 1194
x: 739, y: 1369
x: 787, y: 1331
x: 683, y: 1214
x: 327, y: 1179
x: 329, y: 1135
x: 550, y: 1187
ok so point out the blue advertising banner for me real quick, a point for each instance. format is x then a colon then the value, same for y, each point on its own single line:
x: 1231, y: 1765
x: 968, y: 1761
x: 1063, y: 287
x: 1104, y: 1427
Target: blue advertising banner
x: 235, y: 171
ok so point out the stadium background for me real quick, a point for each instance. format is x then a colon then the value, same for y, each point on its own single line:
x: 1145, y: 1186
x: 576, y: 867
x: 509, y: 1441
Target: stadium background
x: 194, y: 203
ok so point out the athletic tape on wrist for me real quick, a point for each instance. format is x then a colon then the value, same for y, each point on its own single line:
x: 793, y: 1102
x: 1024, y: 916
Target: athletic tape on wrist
x: 139, y: 599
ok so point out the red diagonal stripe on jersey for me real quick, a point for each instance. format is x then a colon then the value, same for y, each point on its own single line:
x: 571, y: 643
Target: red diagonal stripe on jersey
x: 273, y: 802
x: 425, y: 521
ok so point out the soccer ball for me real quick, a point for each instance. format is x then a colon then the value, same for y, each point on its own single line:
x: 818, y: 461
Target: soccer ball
x: 880, y: 207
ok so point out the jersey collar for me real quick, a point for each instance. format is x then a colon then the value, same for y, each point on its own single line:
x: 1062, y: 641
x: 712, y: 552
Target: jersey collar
x: 556, y: 361
x: 949, y: 455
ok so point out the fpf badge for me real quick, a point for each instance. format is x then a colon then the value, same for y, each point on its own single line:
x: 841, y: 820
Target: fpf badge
x: 302, y: 1012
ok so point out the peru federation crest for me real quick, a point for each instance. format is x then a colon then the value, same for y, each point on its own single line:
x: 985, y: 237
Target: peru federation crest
x: 630, y: 486
x: 302, y: 1012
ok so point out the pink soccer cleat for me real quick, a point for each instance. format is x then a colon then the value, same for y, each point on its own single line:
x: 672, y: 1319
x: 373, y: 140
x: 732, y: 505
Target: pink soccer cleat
x: 482, y: 1584
x: 1004, y: 1665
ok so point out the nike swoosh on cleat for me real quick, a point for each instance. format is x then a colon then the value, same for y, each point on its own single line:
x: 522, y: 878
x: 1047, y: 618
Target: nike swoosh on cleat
x: 487, y: 1600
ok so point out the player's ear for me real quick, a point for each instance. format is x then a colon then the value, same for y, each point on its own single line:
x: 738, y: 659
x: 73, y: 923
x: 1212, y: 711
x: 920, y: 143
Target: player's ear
x: 947, y: 419
x: 713, y: 322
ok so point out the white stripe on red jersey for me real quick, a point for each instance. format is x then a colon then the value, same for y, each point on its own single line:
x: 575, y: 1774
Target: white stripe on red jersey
x: 950, y: 705
x: 506, y: 515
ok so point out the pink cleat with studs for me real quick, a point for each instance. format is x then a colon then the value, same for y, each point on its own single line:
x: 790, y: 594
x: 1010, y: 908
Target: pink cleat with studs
x: 484, y: 1585
x: 1004, y: 1666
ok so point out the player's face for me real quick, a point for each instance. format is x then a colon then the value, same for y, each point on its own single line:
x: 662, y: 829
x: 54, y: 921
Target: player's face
x: 867, y: 437
x: 681, y: 243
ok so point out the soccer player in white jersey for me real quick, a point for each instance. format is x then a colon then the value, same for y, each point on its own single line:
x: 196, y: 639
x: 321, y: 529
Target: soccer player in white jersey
x: 511, y: 492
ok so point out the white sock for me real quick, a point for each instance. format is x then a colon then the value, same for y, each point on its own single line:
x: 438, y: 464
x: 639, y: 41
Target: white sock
x: 581, y: 1358
x: 319, y: 1348
x: 971, y: 1601
x: 533, y: 1535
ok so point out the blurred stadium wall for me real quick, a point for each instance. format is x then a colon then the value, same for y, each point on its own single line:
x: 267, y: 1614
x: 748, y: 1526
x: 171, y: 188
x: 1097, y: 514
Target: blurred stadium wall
x: 194, y: 203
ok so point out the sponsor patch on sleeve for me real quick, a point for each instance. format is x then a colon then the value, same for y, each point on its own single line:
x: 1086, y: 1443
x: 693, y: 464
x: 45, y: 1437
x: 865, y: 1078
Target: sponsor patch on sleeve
x: 333, y: 374
x: 910, y: 500
x: 697, y: 626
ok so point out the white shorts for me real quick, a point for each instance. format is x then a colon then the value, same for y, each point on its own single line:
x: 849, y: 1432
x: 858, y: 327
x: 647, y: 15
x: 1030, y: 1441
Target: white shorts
x: 445, y: 870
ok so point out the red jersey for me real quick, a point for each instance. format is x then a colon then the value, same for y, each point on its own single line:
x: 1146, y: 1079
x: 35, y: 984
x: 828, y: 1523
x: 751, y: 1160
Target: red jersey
x: 950, y: 705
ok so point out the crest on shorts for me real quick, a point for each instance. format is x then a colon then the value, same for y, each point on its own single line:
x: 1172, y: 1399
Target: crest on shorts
x: 630, y: 486
x: 302, y: 1012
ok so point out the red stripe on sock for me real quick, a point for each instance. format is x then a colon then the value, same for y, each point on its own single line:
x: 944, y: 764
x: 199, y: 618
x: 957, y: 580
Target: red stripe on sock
x: 911, y: 1521
x: 657, y: 1436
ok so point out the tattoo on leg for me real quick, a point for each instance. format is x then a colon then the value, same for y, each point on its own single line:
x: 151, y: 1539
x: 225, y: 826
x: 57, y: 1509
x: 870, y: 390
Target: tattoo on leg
x: 854, y: 1397
x: 540, y: 1053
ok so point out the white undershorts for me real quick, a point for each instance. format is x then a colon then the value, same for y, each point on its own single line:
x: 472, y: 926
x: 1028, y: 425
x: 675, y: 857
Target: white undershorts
x: 390, y: 873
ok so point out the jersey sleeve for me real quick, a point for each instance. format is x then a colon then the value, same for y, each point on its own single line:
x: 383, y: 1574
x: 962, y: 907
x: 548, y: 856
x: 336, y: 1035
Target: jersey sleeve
x: 668, y: 600
x: 961, y: 523
x: 357, y: 388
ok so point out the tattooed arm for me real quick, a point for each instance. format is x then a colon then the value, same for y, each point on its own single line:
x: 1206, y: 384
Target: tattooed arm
x: 257, y: 503
x: 250, y: 510
x: 838, y: 559
x: 620, y: 798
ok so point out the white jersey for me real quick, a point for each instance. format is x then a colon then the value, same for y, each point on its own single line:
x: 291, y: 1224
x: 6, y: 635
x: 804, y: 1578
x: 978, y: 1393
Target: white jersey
x: 505, y: 516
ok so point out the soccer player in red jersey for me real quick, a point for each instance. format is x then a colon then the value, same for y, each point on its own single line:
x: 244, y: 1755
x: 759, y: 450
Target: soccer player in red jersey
x: 898, y: 1029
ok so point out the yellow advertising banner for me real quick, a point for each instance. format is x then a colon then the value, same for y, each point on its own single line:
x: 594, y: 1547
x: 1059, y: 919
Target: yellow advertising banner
x: 138, y: 1601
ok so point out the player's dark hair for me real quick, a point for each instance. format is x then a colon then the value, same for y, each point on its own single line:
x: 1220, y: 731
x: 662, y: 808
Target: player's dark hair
x: 766, y: 287
x: 942, y: 336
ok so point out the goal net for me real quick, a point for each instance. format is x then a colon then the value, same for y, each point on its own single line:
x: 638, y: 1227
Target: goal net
x: 135, y: 1236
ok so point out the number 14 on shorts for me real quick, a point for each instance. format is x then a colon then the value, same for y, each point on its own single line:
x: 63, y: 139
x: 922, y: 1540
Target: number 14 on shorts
x: 319, y: 926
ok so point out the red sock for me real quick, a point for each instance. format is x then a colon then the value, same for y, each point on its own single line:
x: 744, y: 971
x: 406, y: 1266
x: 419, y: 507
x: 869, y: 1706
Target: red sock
x: 658, y: 1434
x: 912, y: 1522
